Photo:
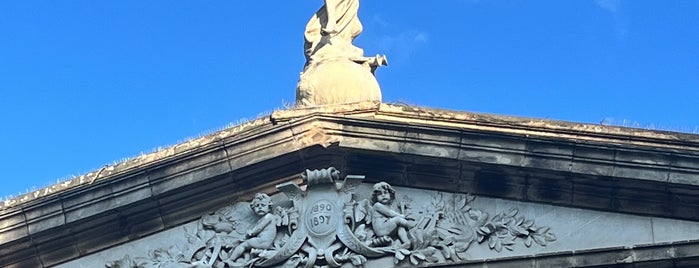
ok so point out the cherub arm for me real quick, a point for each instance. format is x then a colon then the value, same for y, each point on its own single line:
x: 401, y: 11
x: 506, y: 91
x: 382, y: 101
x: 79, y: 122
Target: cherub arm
x: 261, y: 224
x: 386, y: 211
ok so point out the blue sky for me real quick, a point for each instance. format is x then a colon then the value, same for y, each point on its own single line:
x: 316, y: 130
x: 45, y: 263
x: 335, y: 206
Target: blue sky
x: 86, y: 83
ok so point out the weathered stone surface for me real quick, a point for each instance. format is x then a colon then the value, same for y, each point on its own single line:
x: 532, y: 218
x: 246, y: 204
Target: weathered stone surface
x: 400, y: 144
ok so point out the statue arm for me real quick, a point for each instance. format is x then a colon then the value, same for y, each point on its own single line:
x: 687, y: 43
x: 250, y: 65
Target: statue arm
x: 385, y: 210
x: 261, y: 224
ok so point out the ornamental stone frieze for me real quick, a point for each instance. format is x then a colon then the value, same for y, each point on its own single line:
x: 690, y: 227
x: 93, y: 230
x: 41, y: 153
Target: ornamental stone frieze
x: 330, y: 222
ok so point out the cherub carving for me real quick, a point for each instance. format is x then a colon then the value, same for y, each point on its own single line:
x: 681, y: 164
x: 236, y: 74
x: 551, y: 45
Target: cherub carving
x: 387, y: 217
x: 261, y: 236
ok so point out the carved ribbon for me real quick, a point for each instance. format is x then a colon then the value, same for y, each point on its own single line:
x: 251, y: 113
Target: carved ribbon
x: 297, y: 239
x: 352, y: 242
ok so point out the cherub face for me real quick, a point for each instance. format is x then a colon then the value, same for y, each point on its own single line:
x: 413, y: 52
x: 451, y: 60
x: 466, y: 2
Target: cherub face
x: 260, y: 208
x: 383, y: 196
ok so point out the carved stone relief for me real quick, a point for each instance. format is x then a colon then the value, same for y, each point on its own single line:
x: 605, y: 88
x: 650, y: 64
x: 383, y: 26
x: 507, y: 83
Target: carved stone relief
x: 331, y: 224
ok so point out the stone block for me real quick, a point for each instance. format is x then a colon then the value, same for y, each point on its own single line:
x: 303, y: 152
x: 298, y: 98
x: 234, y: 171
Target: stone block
x: 591, y: 168
x: 587, y: 259
x: 593, y: 153
x: 654, y: 264
x: 40, y: 218
x: 13, y: 234
x: 687, y: 263
x: 558, y: 149
x: 444, y: 137
x: 641, y: 201
x: 95, y: 238
x: 514, y: 262
x: 682, y: 250
x: 680, y: 177
x: 550, y: 190
x: 491, y: 157
x: 89, y: 209
x: 642, y: 157
x: 548, y: 163
x: 133, y: 195
x: 142, y: 219
x: 555, y: 262
x: 12, y: 222
x: 24, y: 263
x: 387, y: 144
x: 184, y: 180
x: 58, y: 250
x: 478, y: 139
x: 428, y: 176
x: 88, y: 195
x: 246, y: 155
x: 586, y: 195
x: 134, y: 181
x: 668, y: 230
x: 685, y: 211
x: 188, y: 171
x: 17, y: 249
x: 430, y: 149
x: 181, y: 207
x: 690, y: 162
x: 499, y: 184
x: 639, y: 172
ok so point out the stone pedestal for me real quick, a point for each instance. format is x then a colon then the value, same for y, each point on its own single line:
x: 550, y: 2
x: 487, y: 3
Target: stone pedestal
x: 337, y: 81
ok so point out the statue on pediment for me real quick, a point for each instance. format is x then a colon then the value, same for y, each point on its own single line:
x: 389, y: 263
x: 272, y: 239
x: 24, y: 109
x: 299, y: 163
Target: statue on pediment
x: 336, y: 71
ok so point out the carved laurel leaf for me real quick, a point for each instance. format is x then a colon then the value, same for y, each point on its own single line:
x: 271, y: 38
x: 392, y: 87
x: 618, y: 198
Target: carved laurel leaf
x: 528, y: 241
x: 462, y: 255
x: 398, y: 257
x: 461, y: 246
x: 484, y: 230
x: 518, y: 230
x: 460, y: 202
x: 498, y: 246
x: 414, y: 260
x: 528, y: 223
x: 539, y: 240
x: 512, y: 212
x: 446, y: 252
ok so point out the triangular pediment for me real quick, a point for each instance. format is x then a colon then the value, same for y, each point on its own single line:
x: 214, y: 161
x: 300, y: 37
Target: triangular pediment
x: 603, y: 191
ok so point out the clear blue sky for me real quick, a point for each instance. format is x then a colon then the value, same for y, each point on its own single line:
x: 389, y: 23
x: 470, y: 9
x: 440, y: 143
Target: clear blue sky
x: 86, y: 83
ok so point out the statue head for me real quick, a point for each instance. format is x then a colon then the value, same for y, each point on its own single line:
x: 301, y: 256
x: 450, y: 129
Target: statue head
x: 261, y: 204
x: 380, y: 189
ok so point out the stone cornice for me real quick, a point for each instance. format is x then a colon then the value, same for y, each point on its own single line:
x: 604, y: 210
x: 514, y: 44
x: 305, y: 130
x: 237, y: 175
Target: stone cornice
x: 681, y: 143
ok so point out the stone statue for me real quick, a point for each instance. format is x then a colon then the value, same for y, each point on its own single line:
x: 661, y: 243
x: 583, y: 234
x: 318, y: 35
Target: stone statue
x: 260, y: 236
x: 336, y: 71
x: 387, y: 220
